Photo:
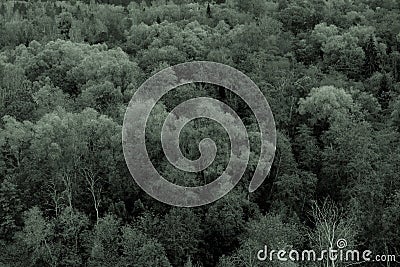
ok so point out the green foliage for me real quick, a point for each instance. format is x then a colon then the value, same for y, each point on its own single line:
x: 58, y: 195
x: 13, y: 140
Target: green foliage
x: 267, y: 231
x: 224, y: 223
x: 10, y: 209
x: 372, y: 61
x: 140, y: 250
x: 342, y: 53
x: 326, y: 103
x: 329, y: 69
x: 106, y: 238
x: 36, y: 235
x: 180, y: 234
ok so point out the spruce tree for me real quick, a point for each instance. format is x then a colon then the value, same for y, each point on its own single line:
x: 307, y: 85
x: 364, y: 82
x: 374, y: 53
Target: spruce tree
x: 208, y: 10
x: 384, y: 91
x: 371, y: 63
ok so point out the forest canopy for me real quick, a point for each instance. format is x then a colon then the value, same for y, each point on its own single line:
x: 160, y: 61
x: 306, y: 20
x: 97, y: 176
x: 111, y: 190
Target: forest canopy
x: 329, y: 69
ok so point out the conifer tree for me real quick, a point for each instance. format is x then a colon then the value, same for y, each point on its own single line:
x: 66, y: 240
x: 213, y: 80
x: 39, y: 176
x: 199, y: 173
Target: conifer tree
x: 384, y: 91
x: 209, y: 10
x: 371, y: 63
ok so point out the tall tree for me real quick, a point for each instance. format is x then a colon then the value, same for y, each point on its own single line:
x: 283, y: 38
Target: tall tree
x: 209, y: 11
x: 372, y: 60
x: 10, y: 209
x: 384, y: 91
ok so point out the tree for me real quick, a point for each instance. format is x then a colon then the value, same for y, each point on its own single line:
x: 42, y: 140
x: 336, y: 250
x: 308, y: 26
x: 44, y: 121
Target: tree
x: 102, y: 65
x: 306, y: 149
x: 104, y: 97
x: 94, y: 188
x: 48, y: 98
x: 70, y: 231
x: 342, y: 53
x: 104, y: 250
x: 36, y: 236
x: 15, y: 92
x: 140, y: 250
x: 384, y: 91
x: 64, y: 23
x: 293, y: 193
x: 322, y: 32
x: 372, y: 60
x: 15, y: 140
x: 395, y: 115
x: 94, y: 30
x: 331, y: 225
x: 255, y: 8
x: 10, y: 209
x: 224, y: 223
x: 209, y: 10
x: 3, y: 9
x: 325, y: 104
x: 392, y: 219
x: 268, y: 231
x: 395, y: 56
x: 180, y: 233
x: 299, y: 16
